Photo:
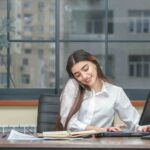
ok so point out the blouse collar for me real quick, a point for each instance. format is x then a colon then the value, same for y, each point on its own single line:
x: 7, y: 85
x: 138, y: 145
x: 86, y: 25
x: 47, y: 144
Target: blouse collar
x: 104, y: 91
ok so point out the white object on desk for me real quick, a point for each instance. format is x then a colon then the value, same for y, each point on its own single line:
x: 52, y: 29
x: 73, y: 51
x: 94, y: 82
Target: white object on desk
x: 15, y: 135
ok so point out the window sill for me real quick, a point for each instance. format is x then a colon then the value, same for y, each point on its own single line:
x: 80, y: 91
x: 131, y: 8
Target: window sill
x: 136, y: 103
x: 18, y: 103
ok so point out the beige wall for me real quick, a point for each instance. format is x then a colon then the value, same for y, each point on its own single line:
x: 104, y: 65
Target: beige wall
x: 13, y: 115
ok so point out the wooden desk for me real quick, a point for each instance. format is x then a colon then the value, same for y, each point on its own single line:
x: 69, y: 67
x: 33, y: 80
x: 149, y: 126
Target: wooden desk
x: 86, y: 144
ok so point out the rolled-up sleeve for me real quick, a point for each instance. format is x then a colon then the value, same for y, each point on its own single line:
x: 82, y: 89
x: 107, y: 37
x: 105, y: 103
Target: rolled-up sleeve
x: 67, y: 99
x: 75, y: 124
x: 126, y: 111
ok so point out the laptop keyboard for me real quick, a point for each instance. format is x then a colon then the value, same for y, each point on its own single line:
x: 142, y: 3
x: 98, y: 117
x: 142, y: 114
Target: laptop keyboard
x: 122, y: 134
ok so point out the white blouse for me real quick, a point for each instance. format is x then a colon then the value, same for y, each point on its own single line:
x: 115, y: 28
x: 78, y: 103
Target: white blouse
x: 98, y: 109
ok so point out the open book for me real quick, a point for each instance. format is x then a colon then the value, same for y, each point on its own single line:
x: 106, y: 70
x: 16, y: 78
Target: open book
x: 67, y: 134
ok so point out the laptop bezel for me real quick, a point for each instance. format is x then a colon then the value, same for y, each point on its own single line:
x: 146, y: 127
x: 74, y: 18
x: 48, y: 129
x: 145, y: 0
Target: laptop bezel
x: 143, y: 118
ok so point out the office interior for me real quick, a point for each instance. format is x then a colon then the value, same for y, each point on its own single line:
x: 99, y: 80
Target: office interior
x: 37, y: 36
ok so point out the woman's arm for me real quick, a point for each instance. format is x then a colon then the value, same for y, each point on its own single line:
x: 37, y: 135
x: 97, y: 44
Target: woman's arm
x: 127, y: 113
x: 67, y: 99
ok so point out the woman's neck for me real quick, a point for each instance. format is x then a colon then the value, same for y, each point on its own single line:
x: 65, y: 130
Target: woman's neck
x: 98, y: 85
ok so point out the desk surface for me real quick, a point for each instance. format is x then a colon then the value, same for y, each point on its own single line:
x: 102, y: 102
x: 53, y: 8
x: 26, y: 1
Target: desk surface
x: 88, y: 143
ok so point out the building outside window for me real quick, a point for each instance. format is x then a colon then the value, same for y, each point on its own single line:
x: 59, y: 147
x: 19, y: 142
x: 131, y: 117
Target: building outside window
x: 27, y: 18
x: 27, y: 51
x: 139, y: 66
x: 3, y: 59
x: 47, y: 32
x: 3, y: 79
x: 25, y: 79
x: 139, y: 21
x: 25, y: 62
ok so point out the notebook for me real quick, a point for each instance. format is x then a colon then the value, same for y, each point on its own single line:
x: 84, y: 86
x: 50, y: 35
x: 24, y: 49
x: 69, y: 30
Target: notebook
x: 144, y: 120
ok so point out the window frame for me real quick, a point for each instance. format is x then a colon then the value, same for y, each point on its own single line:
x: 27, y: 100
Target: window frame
x: 10, y: 93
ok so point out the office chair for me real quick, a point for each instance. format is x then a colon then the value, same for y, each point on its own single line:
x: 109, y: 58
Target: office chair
x: 48, y: 108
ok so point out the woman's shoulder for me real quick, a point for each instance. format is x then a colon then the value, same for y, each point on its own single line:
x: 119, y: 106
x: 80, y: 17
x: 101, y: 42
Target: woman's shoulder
x: 112, y: 86
x: 71, y: 88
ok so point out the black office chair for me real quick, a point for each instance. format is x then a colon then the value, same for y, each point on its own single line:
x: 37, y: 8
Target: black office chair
x: 48, y: 108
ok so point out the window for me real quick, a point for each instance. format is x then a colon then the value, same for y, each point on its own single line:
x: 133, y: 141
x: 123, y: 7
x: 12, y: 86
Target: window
x: 28, y: 28
x: 41, y: 6
x: 3, y: 59
x: 27, y: 51
x: 27, y: 4
x: 139, y: 65
x: 3, y: 78
x: 45, y: 34
x: 90, y: 22
x: 25, y: 62
x: 25, y: 78
x: 27, y: 18
x: 95, y: 22
x: 41, y: 17
x: 41, y: 54
x: 139, y: 21
x: 40, y: 29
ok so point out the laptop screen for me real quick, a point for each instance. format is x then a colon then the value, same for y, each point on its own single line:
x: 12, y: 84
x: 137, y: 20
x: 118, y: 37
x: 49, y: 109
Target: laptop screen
x: 145, y: 117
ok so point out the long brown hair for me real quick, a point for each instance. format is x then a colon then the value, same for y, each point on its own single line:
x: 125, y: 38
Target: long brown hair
x: 75, y: 57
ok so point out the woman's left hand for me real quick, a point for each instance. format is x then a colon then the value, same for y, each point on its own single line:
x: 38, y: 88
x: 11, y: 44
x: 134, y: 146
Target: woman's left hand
x: 113, y: 129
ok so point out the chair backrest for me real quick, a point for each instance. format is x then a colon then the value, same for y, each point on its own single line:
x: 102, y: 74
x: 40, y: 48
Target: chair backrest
x: 48, y: 108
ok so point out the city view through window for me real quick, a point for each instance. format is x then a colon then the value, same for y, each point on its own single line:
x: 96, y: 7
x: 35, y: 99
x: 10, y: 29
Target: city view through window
x: 46, y: 32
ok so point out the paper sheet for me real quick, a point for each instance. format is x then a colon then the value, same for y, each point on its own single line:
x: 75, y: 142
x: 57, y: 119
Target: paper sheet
x: 15, y: 135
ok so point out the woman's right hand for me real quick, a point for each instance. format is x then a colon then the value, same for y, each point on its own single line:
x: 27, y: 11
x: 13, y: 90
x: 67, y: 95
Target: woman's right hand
x: 110, y: 129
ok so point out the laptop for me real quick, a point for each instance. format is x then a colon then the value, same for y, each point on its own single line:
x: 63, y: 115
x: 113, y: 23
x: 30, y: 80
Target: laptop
x: 144, y: 120
x: 145, y: 117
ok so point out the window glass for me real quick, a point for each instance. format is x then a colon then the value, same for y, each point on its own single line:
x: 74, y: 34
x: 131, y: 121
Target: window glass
x: 97, y: 49
x: 3, y: 25
x: 139, y: 65
x: 82, y: 20
x: 33, y: 65
x: 131, y: 19
x: 3, y: 68
x: 25, y: 79
x: 3, y: 6
x: 33, y: 19
x: 131, y: 67
x: 123, y: 52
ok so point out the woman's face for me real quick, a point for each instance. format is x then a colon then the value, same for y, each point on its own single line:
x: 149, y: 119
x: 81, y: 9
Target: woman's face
x: 85, y: 72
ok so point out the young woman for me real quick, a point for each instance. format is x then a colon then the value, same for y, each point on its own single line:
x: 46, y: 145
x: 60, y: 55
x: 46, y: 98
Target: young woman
x: 89, y: 100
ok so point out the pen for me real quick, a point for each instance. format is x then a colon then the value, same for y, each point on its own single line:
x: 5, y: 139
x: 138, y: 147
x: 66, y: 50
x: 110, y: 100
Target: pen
x: 3, y: 136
